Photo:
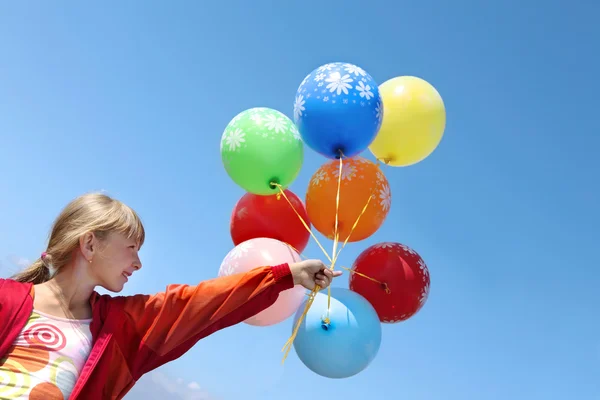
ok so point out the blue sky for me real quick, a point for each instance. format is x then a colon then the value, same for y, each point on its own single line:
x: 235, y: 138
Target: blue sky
x: 504, y: 212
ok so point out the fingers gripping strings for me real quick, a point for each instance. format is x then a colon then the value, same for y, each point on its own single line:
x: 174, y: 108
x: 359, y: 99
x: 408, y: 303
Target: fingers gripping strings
x: 383, y: 285
x: 335, y: 254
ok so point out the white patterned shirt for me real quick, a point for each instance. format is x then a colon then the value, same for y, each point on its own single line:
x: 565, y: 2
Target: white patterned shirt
x: 46, y: 359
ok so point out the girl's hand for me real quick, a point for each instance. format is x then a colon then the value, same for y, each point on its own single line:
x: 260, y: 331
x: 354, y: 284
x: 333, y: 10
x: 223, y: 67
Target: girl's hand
x: 310, y: 273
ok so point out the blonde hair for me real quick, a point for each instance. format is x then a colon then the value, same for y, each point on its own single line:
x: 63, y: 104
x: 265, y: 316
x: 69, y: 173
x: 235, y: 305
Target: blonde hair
x: 91, y: 213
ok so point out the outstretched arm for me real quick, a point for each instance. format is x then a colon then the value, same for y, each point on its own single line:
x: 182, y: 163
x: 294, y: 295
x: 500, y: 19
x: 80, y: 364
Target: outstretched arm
x: 168, y: 324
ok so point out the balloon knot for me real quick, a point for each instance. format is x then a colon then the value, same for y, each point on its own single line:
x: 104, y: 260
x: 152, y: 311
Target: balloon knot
x: 385, y: 287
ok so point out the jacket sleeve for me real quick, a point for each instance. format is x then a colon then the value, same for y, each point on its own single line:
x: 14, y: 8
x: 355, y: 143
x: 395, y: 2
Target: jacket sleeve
x: 162, y: 327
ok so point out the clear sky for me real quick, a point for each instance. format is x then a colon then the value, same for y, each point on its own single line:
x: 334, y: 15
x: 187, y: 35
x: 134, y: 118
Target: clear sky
x: 132, y: 98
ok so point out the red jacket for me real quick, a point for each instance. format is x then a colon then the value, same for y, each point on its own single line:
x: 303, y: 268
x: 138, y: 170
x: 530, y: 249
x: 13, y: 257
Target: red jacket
x: 133, y: 335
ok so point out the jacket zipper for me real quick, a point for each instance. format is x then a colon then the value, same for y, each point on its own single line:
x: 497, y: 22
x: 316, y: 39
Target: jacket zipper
x: 88, y: 368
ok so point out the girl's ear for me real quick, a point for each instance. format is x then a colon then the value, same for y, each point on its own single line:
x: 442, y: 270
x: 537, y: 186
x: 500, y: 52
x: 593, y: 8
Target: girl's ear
x: 87, y: 246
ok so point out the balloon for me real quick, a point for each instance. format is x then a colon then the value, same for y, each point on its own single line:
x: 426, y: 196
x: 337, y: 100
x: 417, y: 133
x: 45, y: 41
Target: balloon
x: 361, y: 178
x: 260, y: 146
x: 338, y: 108
x: 405, y: 274
x: 413, y: 124
x: 259, y: 252
x: 271, y: 216
x: 345, y: 346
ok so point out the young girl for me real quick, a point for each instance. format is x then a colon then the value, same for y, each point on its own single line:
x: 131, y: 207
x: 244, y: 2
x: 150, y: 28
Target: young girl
x: 59, y: 339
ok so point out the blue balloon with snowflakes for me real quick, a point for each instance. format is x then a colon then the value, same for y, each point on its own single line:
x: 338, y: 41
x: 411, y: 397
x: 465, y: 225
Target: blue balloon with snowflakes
x: 338, y: 110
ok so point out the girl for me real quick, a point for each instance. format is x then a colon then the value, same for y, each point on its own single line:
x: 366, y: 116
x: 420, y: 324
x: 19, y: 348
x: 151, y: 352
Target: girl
x: 60, y: 339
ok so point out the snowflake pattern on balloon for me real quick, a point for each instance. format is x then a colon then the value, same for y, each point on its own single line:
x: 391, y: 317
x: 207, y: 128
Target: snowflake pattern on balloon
x: 268, y: 123
x: 422, y: 273
x: 424, y: 269
x: 239, y: 251
x: 228, y: 268
x: 354, y: 168
x: 320, y: 176
x: 379, y: 111
x: 348, y: 172
x: 299, y: 106
x: 384, y: 194
x: 339, y: 83
x: 408, y: 250
x: 229, y: 264
x: 424, y: 296
x: 242, y: 213
x: 235, y: 139
x: 385, y: 197
x: 386, y: 246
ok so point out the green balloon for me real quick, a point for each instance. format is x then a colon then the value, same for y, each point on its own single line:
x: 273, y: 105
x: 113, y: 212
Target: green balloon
x: 260, y: 146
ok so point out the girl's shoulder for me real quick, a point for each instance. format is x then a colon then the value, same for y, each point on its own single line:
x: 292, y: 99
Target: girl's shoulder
x: 11, y: 289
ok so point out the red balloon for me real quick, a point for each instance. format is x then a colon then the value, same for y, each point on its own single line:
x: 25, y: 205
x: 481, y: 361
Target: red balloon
x: 272, y: 217
x: 399, y: 269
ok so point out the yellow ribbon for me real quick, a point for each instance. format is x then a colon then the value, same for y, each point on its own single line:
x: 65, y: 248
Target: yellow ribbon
x: 335, y: 253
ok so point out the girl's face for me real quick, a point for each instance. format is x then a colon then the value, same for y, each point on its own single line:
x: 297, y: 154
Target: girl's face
x: 116, y: 260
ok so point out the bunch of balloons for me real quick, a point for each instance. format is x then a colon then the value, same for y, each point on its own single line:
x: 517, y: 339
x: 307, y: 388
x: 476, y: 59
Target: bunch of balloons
x: 339, y: 112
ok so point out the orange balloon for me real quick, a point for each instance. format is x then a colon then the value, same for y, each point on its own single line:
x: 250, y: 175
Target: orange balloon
x: 361, y: 178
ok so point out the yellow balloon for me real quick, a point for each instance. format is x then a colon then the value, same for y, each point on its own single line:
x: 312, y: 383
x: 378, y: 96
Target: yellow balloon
x: 414, y: 119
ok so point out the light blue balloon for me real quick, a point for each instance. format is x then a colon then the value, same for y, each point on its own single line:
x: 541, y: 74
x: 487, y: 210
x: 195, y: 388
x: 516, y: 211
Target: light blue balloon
x: 348, y: 344
x: 338, y: 108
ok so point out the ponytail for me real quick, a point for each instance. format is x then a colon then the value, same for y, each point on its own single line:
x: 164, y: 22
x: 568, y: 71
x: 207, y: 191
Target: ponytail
x: 39, y: 272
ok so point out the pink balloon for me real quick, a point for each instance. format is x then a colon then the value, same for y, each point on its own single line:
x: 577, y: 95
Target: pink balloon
x: 260, y: 252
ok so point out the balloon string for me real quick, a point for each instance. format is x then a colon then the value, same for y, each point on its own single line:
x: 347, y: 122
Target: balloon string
x: 337, y: 209
x: 383, y: 285
x: 281, y: 191
x: 336, y: 235
x: 311, y: 296
x: 355, y: 225
x: 288, y: 345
